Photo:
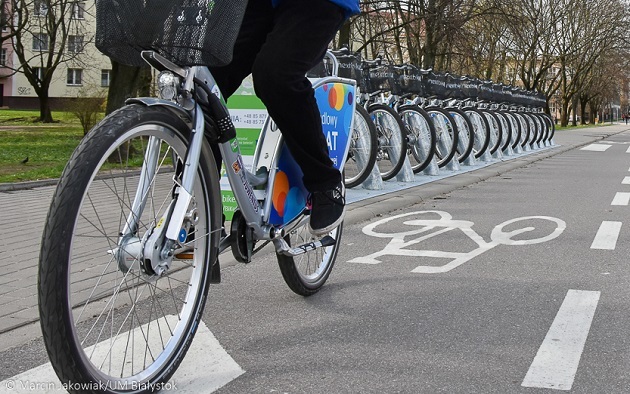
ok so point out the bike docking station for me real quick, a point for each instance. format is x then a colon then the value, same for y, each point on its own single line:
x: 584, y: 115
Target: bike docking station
x: 374, y: 186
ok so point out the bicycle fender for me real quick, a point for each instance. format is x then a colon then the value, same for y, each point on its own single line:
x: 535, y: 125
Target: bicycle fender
x: 180, y: 111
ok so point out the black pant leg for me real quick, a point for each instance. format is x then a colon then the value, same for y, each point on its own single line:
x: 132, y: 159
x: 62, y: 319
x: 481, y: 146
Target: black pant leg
x: 257, y: 23
x: 302, y: 30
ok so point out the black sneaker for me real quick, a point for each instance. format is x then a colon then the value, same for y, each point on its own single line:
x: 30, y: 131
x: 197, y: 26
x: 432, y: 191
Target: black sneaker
x: 327, y: 210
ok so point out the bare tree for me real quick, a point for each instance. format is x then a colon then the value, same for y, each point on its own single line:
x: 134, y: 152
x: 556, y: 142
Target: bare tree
x: 8, y: 25
x: 45, y: 34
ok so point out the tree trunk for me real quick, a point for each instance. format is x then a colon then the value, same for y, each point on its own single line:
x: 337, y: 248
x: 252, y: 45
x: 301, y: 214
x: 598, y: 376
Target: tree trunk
x: 564, y: 113
x: 583, y: 111
x: 124, y: 84
x: 45, y: 114
x: 344, y: 35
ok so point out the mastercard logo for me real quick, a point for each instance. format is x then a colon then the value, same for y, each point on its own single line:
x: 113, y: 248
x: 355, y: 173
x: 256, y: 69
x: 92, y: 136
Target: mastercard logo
x: 337, y: 94
x: 280, y: 192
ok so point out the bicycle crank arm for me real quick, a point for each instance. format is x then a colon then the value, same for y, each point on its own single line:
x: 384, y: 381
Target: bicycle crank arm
x: 286, y: 250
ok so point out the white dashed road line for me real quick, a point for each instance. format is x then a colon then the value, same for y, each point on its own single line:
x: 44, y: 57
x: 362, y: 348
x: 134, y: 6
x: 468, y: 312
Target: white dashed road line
x: 558, y: 357
x: 621, y: 199
x: 596, y: 147
x: 606, y: 237
x: 206, y: 368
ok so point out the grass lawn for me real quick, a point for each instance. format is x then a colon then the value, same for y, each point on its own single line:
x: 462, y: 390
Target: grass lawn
x: 46, y: 145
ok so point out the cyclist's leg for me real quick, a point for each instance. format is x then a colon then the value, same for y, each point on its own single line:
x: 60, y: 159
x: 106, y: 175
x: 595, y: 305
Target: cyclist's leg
x: 298, y: 41
x: 257, y: 23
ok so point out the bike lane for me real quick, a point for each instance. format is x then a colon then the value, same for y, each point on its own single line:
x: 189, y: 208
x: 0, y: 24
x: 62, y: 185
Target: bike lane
x: 384, y: 327
x: 538, y: 310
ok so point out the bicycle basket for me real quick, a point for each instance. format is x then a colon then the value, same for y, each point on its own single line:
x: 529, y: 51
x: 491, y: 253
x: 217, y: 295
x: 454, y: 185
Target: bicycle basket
x: 187, y: 32
x: 381, y: 79
x: 350, y: 67
x: 435, y: 85
x: 454, y: 87
x: 411, y: 80
x: 470, y: 88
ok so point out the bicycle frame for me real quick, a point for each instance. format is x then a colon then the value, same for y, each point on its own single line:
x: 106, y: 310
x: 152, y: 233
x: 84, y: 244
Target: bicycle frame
x: 336, y: 98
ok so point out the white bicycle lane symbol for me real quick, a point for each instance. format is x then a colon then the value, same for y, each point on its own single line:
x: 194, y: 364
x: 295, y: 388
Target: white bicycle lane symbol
x: 431, y: 227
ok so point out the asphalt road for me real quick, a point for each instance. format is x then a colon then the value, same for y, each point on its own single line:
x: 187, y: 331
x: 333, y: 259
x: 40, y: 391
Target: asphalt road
x: 514, y: 284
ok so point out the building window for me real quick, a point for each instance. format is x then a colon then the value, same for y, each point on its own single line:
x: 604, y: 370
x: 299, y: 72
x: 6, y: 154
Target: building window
x: 39, y: 72
x: 3, y: 57
x: 74, y: 76
x: 78, y: 10
x: 75, y: 44
x: 105, y: 77
x: 40, y: 8
x: 40, y: 42
x: 3, y: 15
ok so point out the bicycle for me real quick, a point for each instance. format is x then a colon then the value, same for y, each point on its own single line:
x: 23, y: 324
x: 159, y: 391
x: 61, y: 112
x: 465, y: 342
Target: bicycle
x: 391, y: 131
x: 421, y: 135
x: 135, y: 226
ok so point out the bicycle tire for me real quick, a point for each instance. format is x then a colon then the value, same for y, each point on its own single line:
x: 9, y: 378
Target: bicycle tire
x: 545, y: 126
x: 446, y: 135
x: 524, y: 129
x: 421, y: 136
x: 542, y: 133
x: 496, y: 130
x: 535, y: 132
x: 392, y: 140
x: 465, y: 135
x: 511, y: 132
x: 551, y: 125
x: 362, y: 151
x: 306, y: 274
x: 481, y: 129
x: 78, y: 269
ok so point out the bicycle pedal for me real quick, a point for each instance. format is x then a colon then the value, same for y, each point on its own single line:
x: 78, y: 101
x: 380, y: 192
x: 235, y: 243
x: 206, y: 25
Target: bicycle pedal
x: 185, y: 256
x: 310, y: 246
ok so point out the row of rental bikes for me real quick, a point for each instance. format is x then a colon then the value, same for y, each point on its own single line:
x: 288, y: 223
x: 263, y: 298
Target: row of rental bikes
x: 429, y: 117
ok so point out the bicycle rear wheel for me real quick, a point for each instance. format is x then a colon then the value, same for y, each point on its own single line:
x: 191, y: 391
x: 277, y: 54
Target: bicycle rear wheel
x: 306, y: 274
x: 107, y: 318
x: 363, y: 147
x: 421, y: 136
x: 392, y: 140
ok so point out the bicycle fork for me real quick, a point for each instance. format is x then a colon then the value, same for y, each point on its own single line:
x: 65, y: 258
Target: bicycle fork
x: 156, y: 250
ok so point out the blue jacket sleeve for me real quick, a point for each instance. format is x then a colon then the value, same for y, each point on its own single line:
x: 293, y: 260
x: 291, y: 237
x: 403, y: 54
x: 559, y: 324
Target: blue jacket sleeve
x: 350, y: 6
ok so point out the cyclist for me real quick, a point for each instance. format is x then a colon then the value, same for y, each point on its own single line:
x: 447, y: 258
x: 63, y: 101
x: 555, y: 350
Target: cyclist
x: 279, y: 42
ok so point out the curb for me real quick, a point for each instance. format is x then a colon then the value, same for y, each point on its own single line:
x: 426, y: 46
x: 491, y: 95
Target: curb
x: 17, y: 186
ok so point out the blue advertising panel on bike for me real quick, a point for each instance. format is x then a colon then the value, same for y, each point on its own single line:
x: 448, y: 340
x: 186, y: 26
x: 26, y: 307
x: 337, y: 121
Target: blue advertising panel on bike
x: 336, y: 106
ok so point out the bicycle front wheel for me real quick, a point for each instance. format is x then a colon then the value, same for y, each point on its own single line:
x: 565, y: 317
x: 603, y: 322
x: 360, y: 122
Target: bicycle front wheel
x: 107, y: 318
x: 362, y: 152
x: 392, y: 140
x: 481, y: 130
x: 446, y: 133
x: 421, y: 136
x: 465, y: 136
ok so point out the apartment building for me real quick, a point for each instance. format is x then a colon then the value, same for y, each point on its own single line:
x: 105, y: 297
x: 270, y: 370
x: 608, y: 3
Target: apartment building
x: 84, y: 71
